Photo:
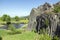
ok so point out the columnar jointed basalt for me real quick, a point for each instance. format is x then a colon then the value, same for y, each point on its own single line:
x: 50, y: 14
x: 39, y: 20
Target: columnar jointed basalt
x: 36, y: 12
x: 44, y: 17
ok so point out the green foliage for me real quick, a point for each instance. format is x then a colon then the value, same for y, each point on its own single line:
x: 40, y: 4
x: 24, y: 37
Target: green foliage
x: 55, y: 38
x: 24, y: 21
x: 6, y: 18
x: 11, y: 27
x: 43, y: 31
x: 3, y: 32
x: 47, y: 22
x: 23, y: 36
x: 17, y: 18
x: 18, y: 31
x: 0, y: 38
x: 57, y: 9
x: 44, y: 37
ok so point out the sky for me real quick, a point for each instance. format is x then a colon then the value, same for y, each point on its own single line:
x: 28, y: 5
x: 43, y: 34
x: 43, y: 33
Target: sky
x: 21, y: 7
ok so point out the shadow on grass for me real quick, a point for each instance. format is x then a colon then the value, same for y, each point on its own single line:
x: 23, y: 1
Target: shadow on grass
x: 14, y: 32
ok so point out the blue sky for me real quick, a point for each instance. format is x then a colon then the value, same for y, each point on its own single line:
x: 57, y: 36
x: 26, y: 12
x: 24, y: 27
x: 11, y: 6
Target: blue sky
x: 21, y: 7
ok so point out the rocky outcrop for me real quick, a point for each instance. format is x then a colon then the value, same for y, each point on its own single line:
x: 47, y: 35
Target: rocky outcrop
x: 58, y: 3
x: 44, y: 17
x: 32, y: 19
x: 47, y: 21
x: 37, y: 11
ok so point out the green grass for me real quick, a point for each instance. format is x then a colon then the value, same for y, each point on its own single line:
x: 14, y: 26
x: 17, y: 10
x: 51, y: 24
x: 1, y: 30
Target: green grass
x: 27, y: 35
x: 23, y: 36
x: 4, y: 32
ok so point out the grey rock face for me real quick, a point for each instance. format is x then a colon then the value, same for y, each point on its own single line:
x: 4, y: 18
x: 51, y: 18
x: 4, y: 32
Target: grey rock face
x: 41, y: 22
x: 58, y: 3
x: 32, y: 19
x: 36, y: 12
x: 38, y: 17
x: 53, y: 25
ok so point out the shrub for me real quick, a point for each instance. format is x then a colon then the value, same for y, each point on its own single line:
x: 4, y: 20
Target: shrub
x: 0, y: 38
x: 44, y: 37
x: 18, y: 31
x: 55, y: 38
x: 57, y: 9
x: 11, y: 27
x: 43, y: 31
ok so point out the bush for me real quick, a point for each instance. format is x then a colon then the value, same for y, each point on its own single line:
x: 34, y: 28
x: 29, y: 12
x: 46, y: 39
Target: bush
x: 56, y: 9
x: 55, y: 38
x: 42, y: 31
x: 18, y: 32
x: 44, y: 37
x: 11, y: 27
x: 13, y: 30
x: 0, y: 38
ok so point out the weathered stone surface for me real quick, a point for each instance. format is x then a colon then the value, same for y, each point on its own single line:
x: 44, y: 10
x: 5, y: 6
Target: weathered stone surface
x: 38, y: 17
x: 41, y: 22
x: 32, y: 19
x: 35, y: 12
x: 58, y: 3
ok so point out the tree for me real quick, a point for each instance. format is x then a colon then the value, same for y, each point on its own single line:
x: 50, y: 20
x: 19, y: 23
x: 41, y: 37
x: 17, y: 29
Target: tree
x: 8, y: 19
x: 4, y: 17
x: 17, y: 18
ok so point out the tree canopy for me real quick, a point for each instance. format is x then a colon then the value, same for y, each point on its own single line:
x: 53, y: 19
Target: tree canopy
x: 17, y: 18
x: 6, y: 17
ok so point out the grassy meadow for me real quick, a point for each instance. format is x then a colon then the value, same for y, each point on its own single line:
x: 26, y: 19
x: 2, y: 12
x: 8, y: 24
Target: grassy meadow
x: 25, y: 35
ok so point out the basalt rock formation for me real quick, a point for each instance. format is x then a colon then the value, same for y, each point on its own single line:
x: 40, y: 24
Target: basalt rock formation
x: 44, y: 17
x: 36, y: 12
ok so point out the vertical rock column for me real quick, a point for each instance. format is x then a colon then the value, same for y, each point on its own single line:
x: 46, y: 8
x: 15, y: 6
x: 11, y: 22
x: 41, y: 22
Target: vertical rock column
x: 32, y: 19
